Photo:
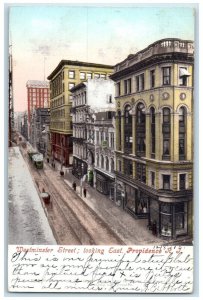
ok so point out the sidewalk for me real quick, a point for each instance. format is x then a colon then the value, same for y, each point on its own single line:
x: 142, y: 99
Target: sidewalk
x: 131, y: 231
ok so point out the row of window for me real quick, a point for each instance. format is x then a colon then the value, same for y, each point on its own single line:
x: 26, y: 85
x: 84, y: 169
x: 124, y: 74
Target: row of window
x: 141, y: 175
x: 57, y: 125
x: 140, y: 80
x: 58, y: 113
x: 141, y: 131
x: 86, y: 75
x: 56, y: 86
x: 105, y: 163
x: 79, y: 99
x: 57, y: 102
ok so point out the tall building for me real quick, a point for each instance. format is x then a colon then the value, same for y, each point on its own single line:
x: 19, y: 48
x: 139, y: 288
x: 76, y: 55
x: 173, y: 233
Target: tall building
x: 37, y: 97
x: 64, y: 77
x: 89, y: 98
x: 154, y: 136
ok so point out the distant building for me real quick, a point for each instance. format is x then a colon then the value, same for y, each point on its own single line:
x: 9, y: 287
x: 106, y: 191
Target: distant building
x: 39, y: 122
x: 24, y: 125
x: 63, y: 78
x: 37, y: 97
x: 88, y: 99
x: 154, y: 136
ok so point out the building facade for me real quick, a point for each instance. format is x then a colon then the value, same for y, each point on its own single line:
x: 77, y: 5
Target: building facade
x: 154, y: 136
x: 24, y: 125
x: 66, y: 76
x: 39, y: 121
x: 88, y: 99
x: 37, y: 97
x: 104, y: 130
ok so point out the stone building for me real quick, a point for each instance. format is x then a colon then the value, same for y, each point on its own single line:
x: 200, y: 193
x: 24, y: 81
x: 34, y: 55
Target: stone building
x: 154, y: 136
x: 89, y: 98
x: 64, y: 77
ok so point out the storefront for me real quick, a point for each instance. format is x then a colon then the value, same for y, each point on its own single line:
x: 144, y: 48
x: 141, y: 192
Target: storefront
x: 170, y: 219
x: 105, y: 184
x: 136, y: 202
x: 79, y: 167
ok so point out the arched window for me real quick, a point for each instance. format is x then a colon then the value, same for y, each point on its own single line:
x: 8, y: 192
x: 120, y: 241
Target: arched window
x: 107, y: 163
x: 112, y: 165
x: 166, y: 129
x: 102, y: 161
x: 152, y: 120
x: 128, y: 129
x: 140, y: 130
x: 97, y: 160
x: 182, y: 133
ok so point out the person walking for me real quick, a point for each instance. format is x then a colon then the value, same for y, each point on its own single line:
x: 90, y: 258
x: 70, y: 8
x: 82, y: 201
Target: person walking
x: 74, y: 186
x: 84, y: 192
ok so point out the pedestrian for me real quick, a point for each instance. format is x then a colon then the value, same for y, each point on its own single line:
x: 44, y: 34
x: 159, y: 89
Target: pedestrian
x: 74, y: 186
x: 84, y: 192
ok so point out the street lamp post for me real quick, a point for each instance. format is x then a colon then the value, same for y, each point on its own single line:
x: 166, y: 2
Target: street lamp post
x: 82, y: 172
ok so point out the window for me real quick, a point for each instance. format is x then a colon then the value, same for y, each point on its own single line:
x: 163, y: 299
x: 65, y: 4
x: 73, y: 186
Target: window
x: 182, y: 132
x: 141, y: 172
x: 152, y: 178
x: 82, y: 75
x: 153, y: 139
x: 182, y: 181
x: 119, y: 166
x: 107, y: 164
x: 109, y: 97
x: 103, y: 76
x: 112, y: 165
x: 102, y: 161
x: 183, y: 75
x: 112, y: 140
x: 71, y: 85
x: 152, y: 78
x: 89, y: 75
x: 140, y: 130
x: 128, y: 129
x: 166, y: 75
x: 119, y: 130
x: 128, y: 167
x: 127, y: 86
x: 166, y: 133
x: 140, y: 82
x: 96, y: 76
x: 118, y: 89
x: 166, y: 182
x: 71, y: 74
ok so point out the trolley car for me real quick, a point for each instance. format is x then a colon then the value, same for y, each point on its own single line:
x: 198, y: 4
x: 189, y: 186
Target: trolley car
x: 37, y: 160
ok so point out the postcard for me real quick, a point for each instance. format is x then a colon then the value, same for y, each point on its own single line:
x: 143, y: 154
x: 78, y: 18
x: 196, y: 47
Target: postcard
x: 100, y: 148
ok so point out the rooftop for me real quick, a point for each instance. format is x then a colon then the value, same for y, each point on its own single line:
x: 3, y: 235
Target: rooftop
x: 37, y: 84
x: 77, y: 63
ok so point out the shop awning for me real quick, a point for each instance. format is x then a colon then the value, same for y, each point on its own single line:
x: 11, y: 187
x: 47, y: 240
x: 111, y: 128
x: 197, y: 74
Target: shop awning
x: 183, y: 72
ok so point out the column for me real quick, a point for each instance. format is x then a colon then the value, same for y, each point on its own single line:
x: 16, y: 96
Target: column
x: 148, y: 135
x: 158, y: 137
x: 122, y: 133
x: 134, y: 133
x: 174, y: 137
x: 189, y: 137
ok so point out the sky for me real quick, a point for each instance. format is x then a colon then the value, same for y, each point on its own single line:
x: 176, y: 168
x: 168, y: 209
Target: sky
x: 43, y: 35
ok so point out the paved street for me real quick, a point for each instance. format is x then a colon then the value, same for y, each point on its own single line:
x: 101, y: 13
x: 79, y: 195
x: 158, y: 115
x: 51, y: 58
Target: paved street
x: 129, y: 230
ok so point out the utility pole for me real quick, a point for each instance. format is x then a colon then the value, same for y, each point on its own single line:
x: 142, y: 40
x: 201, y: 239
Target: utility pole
x: 10, y: 108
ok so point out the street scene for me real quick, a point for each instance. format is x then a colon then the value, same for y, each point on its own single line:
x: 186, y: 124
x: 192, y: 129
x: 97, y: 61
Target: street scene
x: 100, y: 138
